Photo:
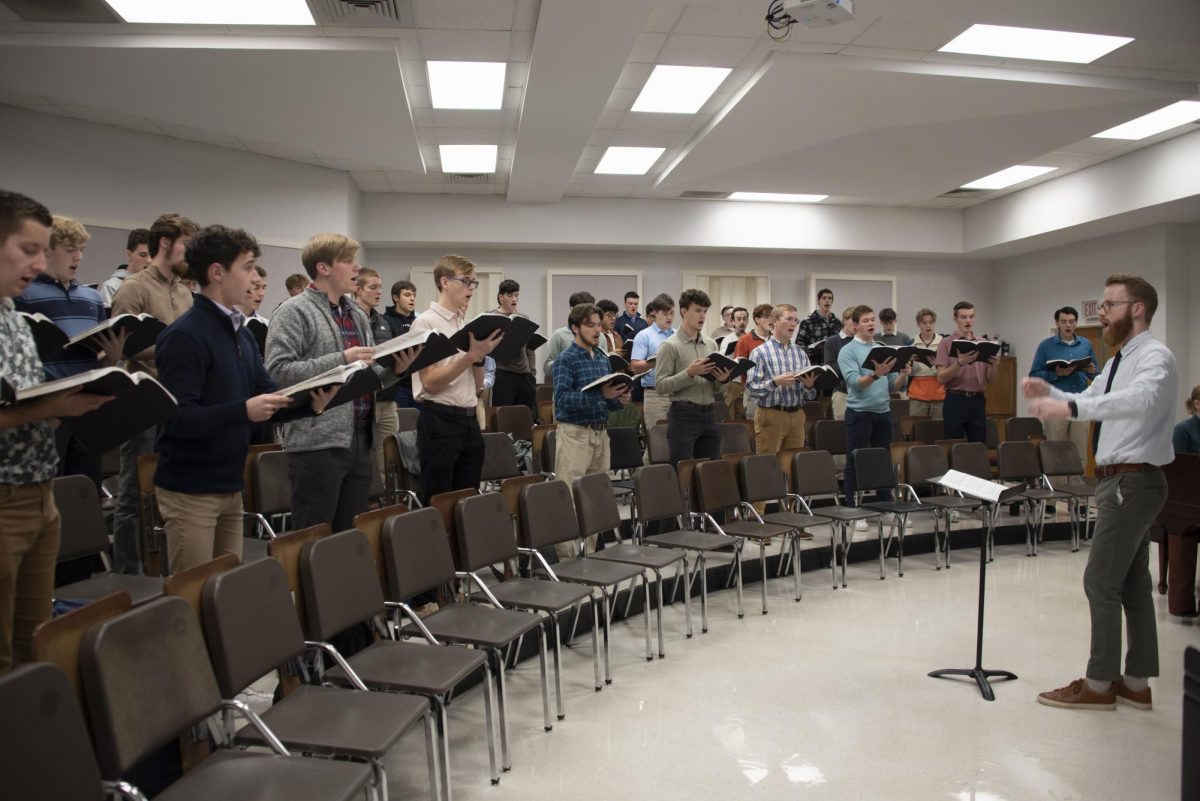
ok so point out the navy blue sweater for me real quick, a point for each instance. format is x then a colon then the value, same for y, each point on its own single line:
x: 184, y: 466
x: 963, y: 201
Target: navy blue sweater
x: 212, y: 372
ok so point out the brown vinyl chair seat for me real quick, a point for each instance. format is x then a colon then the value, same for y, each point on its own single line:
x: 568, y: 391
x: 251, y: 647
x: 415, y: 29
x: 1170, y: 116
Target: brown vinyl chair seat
x: 641, y: 555
x: 794, y: 520
x: 474, y: 624
x: 689, y: 540
x: 246, y: 776
x: 846, y: 513
x: 755, y: 530
x: 537, y: 594
x: 410, y: 667
x: 595, y: 572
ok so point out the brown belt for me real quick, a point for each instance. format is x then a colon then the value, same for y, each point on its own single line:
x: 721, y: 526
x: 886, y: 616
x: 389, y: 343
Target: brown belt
x: 1104, y: 471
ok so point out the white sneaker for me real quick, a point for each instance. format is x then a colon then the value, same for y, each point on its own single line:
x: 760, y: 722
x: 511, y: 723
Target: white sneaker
x: 953, y: 515
x: 861, y: 525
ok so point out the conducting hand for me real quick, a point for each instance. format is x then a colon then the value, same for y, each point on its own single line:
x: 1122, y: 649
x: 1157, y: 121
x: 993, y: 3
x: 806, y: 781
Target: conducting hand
x: 1049, y: 408
x: 359, y: 354
x: 260, y: 408
x: 1034, y: 388
x: 112, y: 347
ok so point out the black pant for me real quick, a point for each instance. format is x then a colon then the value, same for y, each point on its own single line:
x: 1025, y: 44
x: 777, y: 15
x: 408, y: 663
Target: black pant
x: 865, y: 430
x: 450, y: 448
x: 514, y: 389
x: 964, y: 416
x: 331, y: 485
x: 692, y: 432
x: 74, y: 458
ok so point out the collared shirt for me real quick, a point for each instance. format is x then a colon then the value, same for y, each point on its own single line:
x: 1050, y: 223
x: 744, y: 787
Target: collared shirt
x: 748, y: 342
x: 814, y: 328
x: 970, y: 377
x: 876, y: 396
x: 74, y: 309
x: 1138, y: 411
x: 1056, y: 348
x: 646, y: 346
x: 461, y: 391
x: 774, y: 358
x: 674, y: 356
x: 637, y: 322
x: 112, y: 284
x: 720, y: 331
x: 574, y: 369
x: 27, y: 453
x: 343, y: 315
x: 149, y: 293
x: 236, y: 317
x: 920, y: 370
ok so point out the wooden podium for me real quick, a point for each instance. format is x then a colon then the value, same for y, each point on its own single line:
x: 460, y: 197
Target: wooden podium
x: 1001, y: 394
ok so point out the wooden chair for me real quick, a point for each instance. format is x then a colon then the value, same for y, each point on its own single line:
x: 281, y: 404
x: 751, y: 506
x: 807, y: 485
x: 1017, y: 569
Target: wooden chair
x: 786, y: 457
x: 371, y: 524
x: 899, y: 450
x: 445, y: 504
x: 188, y: 584
x: 510, y: 488
x: 685, y: 471
x: 154, y: 538
x: 248, y: 501
x: 58, y: 639
x: 286, y: 549
x: 537, y: 442
x: 545, y: 412
x: 906, y: 426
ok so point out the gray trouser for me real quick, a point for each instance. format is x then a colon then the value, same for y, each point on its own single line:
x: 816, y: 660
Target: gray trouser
x: 1117, y: 576
x: 127, y: 518
x: 331, y: 485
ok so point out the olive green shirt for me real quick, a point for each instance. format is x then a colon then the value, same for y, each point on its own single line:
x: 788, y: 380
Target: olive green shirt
x: 674, y: 356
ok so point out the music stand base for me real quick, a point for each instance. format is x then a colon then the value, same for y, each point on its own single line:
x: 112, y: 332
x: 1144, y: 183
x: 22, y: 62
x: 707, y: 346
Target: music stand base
x: 980, y: 676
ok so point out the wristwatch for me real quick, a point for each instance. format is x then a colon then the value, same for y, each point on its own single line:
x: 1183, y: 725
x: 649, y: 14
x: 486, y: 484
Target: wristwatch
x: 1074, y: 409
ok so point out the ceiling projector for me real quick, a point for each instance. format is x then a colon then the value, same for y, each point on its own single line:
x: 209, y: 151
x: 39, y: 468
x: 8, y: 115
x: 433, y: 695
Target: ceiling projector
x: 819, y: 13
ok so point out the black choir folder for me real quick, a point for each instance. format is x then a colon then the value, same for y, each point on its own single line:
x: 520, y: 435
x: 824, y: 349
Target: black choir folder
x: 437, y: 347
x: 139, y: 402
x: 1078, y: 364
x: 518, y: 336
x: 482, y: 327
x: 47, y: 336
x: 827, y: 377
x: 903, y: 354
x: 986, y: 349
x: 353, y: 381
x: 143, y: 333
x: 624, y: 379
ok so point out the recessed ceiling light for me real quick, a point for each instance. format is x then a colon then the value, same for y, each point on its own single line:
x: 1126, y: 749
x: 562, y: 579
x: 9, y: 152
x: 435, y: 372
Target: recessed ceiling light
x: 468, y: 159
x: 214, y: 12
x: 1155, y: 122
x: 628, y: 160
x: 1033, y: 43
x: 466, y: 84
x: 1006, y: 178
x: 776, y: 197
x: 679, y: 90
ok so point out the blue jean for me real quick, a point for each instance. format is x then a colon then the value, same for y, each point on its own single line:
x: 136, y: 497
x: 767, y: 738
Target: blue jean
x: 865, y: 430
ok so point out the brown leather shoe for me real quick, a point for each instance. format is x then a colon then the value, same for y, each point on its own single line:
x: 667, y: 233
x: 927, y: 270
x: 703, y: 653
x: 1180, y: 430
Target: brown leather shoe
x: 1078, y: 695
x: 805, y: 535
x: 1138, y: 699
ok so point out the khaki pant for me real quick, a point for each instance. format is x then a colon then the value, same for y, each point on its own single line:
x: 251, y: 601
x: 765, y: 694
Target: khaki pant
x: 654, y: 408
x: 839, y: 405
x: 578, y: 451
x: 1075, y: 430
x: 930, y: 409
x: 200, y: 526
x: 734, y: 391
x: 29, y: 529
x: 775, y: 429
x: 387, y: 422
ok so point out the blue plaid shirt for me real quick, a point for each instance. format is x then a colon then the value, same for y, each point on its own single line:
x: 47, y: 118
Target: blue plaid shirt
x: 573, y: 370
x: 772, y: 359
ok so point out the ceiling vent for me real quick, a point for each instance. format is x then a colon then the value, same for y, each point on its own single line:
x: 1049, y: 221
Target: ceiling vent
x: 706, y: 195
x: 469, y: 177
x: 364, y: 13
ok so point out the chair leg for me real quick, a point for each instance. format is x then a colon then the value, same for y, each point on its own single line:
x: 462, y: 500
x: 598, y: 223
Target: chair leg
x: 379, y: 776
x: 879, y: 526
x: 545, y: 683
x: 900, y: 546
x: 502, y: 711
x: 796, y: 562
x: 781, y: 568
x: 607, y: 634
x: 431, y: 757
x: 553, y: 621
x: 658, y: 614
x: 702, y: 566
x: 833, y: 552
x: 599, y: 684
x: 762, y: 563
x: 737, y: 564
x: 628, y: 598
x: 646, y: 616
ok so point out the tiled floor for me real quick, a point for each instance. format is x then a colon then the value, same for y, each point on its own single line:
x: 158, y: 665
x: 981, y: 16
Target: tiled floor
x: 829, y: 699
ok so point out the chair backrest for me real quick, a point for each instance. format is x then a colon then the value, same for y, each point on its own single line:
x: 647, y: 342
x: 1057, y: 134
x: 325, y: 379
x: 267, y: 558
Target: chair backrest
x: 814, y: 410
x: 734, y: 438
x: 923, y: 462
x: 716, y: 486
x: 538, y: 447
x: 595, y: 506
x: 44, y: 739
x: 830, y: 436
x: 485, y: 531
x: 685, y: 472
x: 735, y: 457
x: 720, y: 410
x: 516, y: 421
x: 499, y: 460
x: 510, y: 488
x: 57, y: 640
x: 272, y: 487
x: 547, y: 514
x: 1060, y: 457
x: 248, y: 501
x: 407, y: 418
x: 549, y: 443
x: 546, y: 410
x: 898, y: 450
x: 445, y: 503
x: 656, y: 443
x: 250, y: 624
x: 784, y: 457
x: 147, y: 678
x: 657, y: 494
x: 147, y: 463
x: 544, y: 393
x: 813, y: 473
x: 1017, y: 461
x: 1020, y: 429
x: 188, y: 584
x: 929, y: 431
x: 82, y: 527
x: 992, y: 436
x: 285, y: 549
x: 417, y: 550
x: 971, y: 458
x: 339, y: 582
x: 873, y: 469
x: 371, y: 525
x: 762, y: 478
x: 899, y: 409
x: 624, y: 449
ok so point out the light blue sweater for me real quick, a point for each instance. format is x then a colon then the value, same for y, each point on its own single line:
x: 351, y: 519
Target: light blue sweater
x: 874, y: 398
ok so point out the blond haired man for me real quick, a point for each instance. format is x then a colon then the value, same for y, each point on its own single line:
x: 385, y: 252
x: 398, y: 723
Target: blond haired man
x: 776, y: 383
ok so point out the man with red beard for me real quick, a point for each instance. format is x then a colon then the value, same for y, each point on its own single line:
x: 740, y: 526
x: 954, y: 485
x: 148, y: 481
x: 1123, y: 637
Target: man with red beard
x: 1133, y: 403
x: 158, y: 291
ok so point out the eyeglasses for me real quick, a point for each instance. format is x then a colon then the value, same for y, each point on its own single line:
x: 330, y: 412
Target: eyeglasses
x: 469, y: 283
x: 1107, y: 305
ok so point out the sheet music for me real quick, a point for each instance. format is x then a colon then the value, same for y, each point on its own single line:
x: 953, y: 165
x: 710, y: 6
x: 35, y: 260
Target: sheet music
x: 971, y: 485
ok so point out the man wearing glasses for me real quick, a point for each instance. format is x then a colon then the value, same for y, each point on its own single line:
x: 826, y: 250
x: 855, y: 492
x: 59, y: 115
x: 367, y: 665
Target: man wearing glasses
x: 776, y: 384
x: 1133, y: 404
x: 448, y: 438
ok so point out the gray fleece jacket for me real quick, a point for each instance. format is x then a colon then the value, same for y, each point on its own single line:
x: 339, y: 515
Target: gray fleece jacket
x: 304, y: 340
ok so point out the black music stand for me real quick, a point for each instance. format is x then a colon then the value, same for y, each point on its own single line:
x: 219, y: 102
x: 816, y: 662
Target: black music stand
x: 980, y: 674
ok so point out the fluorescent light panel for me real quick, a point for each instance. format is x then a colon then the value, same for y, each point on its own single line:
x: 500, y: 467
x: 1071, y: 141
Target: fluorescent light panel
x: 679, y: 90
x: 466, y: 84
x: 214, y: 12
x: 1006, y: 178
x: 468, y: 159
x: 776, y: 197
x: 628, y: 160
x: 1034, y: 43
x: 1155, y: 122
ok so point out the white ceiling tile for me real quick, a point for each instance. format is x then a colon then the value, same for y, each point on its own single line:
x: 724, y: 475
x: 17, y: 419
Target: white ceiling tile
x: 489, y: 15
x: 1110, y: 71
x: 642, y: 121
x: 882, y: 52
x: 797, y: 46
x: 368, y: 175
x: 525, y: 15
x: 704, y: 51
x: 725, y: 19
x: 894, y: 33
x: 474, y: 189
x: 441, y: 45
x: 468, y: 136
x: 517, y: 73
x: 1183, y: 76
x: 418, y: 97
x: 520, y: 46
x: 645, y: 50
x: 467, y: 118
x: 427, y: 136
x: 415, y: 72
x: 418, y: 189
x: 626, y: 138
x: 634, y: 76
x: 610, y: 118
x: 600, y: 137
x: 967, y: 58
x: 664, y: 16
x: 403, y: 177
x: 512, y: 97
x: 423, y: 117
x: 621, y: 99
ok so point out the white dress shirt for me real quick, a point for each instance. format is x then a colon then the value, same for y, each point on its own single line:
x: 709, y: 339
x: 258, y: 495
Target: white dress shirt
x: 1139, y: 410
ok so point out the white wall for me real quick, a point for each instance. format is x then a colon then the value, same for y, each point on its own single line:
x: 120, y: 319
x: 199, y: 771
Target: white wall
x: 1029, y: 288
